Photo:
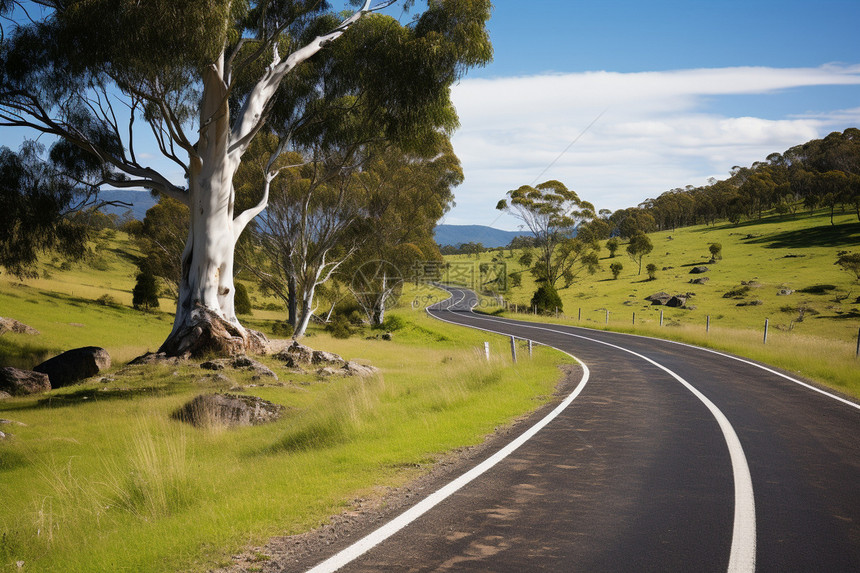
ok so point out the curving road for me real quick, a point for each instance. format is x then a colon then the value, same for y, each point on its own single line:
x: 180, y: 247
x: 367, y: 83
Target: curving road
x: 666, y: 457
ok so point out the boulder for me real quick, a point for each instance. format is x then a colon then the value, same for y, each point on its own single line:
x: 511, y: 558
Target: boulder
x: 295, y: 355
x: 784, y: 292
x: 4, y: 395
x: 74, y: 365
x: 12, y: 325
x: 156, y: 358
x: 17, y: 382
x: 228, y: 410
x: 240, y: 362
x: 677, y: 301
x: 699, y: 281
x: 697, y: 270
x: 658, y: 298
x: 353, y: 368
x: 326, y: 358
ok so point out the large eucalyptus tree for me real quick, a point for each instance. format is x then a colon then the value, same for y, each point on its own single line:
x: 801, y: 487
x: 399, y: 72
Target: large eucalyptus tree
x: 202, y: 79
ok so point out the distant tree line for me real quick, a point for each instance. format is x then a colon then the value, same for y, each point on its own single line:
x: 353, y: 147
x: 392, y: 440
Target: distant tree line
x: 819, y: 173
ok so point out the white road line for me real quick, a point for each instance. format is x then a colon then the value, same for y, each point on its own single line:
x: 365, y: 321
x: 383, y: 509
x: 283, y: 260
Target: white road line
x: 373, y: 539
x: 742, y: 555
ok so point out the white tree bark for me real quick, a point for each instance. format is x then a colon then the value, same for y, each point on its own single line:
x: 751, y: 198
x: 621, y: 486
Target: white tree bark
x: 206, y: 288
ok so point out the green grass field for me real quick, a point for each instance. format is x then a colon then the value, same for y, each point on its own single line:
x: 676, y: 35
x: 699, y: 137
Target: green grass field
x: 812, y: 331
x: 101, y: 478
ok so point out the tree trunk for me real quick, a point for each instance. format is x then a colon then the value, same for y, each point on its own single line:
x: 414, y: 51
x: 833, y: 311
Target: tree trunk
x: 205, y: 318
x: 292, y: 311
x: 306, y: 312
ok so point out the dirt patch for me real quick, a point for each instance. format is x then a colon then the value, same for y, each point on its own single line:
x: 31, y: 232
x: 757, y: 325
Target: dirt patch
x: 303, y: 551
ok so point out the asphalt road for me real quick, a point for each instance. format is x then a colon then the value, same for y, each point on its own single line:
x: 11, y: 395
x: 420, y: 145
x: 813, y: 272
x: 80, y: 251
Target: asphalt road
x: 666, y: 457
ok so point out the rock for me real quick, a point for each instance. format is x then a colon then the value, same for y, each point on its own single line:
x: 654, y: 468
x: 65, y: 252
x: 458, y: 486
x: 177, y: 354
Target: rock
x: 228, y: 410
x: 784, y: 292
x: 658, y: 298
x: 12, y: 325
x: 353, y: 368
x: 207, y: 333
x: 697, y: 270
x: 327, y: 371
x: 387, y: 336
x: 2, y: 436
x: 17, y: 382
x: 323, y: 357
x: 240, y: 362
x: 699, y: 281
x: 74, y: 365
x: 751, y: 303
x: 690, y: 307
x: 295, y: 355
x: 677, y: 301
x: 156, y: 358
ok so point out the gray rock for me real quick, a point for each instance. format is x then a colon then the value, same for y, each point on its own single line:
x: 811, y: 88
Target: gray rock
x: 12, y: 325
x: 784, y: 292
x: 658, y: 298
x: 228, y: 410
x: 353, y: 368
x: 699, y: 281
x: 4, y: 395
x: 323, y: 357
x: 699, y: 270
x: 75, y: 365
x: 17, y: 382
x: 295, y: 355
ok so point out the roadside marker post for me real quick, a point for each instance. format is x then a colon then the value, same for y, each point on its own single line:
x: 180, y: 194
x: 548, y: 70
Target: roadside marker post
x: 857, y: 352
x: 530, y: 348
x: 579, y: 316
x: 514, y: 349
x: 766, y: 321
x: 634, y: 319
x: 708, y: 324
x: 487, y: 350
x: 661, y: 318
x: 607, y: 316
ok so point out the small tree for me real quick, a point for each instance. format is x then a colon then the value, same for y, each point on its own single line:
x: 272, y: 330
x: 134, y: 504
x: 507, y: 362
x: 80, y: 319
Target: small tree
x: 144, y: 296
x: 716, y: 250
x: 612, y: 246
x: 651, y: 269
x: 639, y: 246
x: 850, y: 262
x: 546, y: 299
x: 616, y: 268
x: 242, y: 301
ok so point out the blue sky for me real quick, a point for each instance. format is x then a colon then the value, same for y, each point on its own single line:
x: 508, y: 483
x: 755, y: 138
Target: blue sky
x: 623, y: 100
x: 683, y: 92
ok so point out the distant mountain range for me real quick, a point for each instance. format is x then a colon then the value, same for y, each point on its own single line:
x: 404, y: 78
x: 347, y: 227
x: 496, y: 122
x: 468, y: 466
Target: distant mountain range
x: 452, y: 235
x: 488, y: 236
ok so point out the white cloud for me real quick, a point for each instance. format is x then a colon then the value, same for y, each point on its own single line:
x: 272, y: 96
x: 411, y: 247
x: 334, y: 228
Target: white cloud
x: 652, y: 131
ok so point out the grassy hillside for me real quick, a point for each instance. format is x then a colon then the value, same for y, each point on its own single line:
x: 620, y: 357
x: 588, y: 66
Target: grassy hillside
x: 100, y: 478
x: 813, y: 330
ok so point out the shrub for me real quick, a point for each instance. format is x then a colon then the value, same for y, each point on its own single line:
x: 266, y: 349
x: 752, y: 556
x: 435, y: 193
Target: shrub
x: 339, y: 327
x: 546, y: 299
x: 283, y: 329
x: 612, y: 245
x: 107, y: 300
x: 651, y: 269
x: 145, y: 293
x: 716, y: 250
x: 850, y: 262
x: 738, y: 292
x: 241, y: 301
x: 616, y: 269
x: 393, y: 322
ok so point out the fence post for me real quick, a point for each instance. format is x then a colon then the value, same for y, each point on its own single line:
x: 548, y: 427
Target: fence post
x: 487, y: 350
x: 514, y: 349
x: 765, y: 331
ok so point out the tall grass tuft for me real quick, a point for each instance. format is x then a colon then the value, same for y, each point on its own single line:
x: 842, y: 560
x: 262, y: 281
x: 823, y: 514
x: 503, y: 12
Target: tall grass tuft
x: 158, y: 480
